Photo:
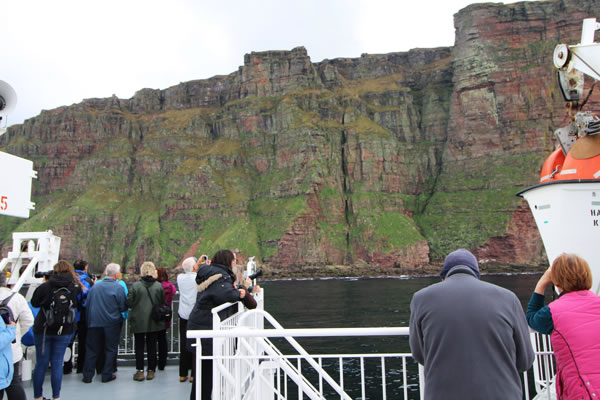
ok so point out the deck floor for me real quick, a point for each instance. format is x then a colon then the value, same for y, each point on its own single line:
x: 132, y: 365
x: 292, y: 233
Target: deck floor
x: 165, y: 385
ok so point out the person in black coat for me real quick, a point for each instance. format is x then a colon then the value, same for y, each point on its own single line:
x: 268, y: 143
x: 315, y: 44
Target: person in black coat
x: 51, y: 341
x: 215, y: 287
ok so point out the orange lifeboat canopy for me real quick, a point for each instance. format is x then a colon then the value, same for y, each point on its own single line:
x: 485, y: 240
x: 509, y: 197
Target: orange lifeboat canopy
x: 552, y: 166
x: 582, y: 161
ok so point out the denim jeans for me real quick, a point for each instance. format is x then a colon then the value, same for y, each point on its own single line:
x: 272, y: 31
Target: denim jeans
x: 54, y: 351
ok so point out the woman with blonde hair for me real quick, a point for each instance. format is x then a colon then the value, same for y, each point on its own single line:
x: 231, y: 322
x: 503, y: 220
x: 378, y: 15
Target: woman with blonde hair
x: 140, y: 299
x: 573, y: 321
x: 54, y: 325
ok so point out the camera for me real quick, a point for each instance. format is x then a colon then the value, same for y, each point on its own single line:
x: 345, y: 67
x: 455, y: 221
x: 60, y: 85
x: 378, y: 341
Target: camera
x: 94, y: 277
x: 43, y: 274
x: 255, y: 275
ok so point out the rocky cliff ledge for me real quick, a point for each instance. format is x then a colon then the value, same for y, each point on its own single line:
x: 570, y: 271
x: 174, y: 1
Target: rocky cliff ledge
x: 390, y: 160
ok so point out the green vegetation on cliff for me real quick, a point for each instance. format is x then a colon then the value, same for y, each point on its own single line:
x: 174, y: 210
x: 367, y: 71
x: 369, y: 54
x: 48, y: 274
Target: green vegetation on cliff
x: 471, y: 205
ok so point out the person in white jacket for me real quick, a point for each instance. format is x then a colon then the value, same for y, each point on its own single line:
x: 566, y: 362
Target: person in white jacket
x: 24, y: 318
x: 186, y: 283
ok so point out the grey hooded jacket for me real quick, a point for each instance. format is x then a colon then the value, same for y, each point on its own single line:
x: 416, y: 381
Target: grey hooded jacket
x: 471, y: 337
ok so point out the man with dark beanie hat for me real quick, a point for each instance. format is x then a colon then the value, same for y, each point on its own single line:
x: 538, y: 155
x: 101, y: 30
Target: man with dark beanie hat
x: 471, y: 336
x: 460, y: 257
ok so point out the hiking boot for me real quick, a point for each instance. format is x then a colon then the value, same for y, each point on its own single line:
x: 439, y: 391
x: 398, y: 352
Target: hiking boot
x: 150, y: 375
x: 139, y: 375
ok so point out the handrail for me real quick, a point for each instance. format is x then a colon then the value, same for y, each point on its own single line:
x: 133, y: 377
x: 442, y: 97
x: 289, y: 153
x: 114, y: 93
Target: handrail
x: 308, y: 332
x: 289, y: 334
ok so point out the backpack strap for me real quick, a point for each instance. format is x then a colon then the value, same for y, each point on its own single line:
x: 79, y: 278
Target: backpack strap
x: 147, y: 290
x: 6, y: 300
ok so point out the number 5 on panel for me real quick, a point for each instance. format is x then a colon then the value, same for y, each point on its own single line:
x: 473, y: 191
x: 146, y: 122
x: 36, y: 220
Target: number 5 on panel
x: 3, y: 203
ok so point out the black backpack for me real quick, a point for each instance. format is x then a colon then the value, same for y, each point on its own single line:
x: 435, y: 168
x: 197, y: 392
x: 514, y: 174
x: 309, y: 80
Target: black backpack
x: 5, y: 311
x: 61, y: 310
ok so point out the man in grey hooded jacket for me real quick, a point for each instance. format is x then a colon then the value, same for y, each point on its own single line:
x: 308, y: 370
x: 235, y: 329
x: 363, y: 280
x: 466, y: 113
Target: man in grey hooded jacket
x: 471, y: 336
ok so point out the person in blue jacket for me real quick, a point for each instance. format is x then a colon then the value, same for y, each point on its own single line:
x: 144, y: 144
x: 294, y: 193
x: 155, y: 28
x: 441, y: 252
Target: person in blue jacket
x: 7, y: 335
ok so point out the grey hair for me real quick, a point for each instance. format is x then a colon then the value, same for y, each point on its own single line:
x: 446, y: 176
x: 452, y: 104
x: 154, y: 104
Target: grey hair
x: 188, y: 264
x: 112, y: 269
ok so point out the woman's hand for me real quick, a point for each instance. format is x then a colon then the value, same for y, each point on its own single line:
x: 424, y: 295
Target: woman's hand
x: 256, y: 289
x: 242, y: 293
x: 544, y: 281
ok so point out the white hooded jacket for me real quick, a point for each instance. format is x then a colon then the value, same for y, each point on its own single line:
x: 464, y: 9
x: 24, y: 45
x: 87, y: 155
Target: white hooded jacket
x: 24, y: 317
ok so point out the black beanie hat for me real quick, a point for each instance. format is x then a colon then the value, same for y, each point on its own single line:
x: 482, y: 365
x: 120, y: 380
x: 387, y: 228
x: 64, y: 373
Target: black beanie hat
x: 460, y: 257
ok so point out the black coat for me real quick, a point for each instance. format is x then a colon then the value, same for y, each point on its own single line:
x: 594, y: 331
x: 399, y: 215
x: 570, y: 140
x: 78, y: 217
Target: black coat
x: 42, y: 297
x: 215, y: 287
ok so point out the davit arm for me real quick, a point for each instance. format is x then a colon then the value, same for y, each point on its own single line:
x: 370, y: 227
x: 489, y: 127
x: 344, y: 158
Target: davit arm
x: 572, y: 63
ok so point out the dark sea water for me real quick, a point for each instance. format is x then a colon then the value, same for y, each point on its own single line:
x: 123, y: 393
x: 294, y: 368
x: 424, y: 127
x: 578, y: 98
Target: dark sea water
x: 380, y: 302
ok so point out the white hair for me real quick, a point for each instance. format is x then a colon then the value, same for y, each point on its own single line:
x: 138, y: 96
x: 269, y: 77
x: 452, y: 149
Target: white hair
x: 188, y: 264
x: 112, y: 269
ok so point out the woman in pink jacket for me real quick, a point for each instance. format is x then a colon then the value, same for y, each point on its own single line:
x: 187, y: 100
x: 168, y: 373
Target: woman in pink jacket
x: 573, y: 321
x: 169, y: 288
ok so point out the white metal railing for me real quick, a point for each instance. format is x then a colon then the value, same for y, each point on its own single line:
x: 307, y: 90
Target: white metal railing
x: 248, y: 365
x: 228, y: 346
x: 544, y: 367
x: 251, y: 366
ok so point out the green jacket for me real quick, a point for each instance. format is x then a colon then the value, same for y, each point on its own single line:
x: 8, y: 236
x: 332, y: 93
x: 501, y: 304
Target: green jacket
x: 141, y: 307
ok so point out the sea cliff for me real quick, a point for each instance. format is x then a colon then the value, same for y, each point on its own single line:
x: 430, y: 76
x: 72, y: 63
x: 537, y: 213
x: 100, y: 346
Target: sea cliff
x: 386, y: 160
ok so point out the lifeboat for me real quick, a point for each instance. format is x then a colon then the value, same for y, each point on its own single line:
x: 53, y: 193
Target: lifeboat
x: 566, y: 203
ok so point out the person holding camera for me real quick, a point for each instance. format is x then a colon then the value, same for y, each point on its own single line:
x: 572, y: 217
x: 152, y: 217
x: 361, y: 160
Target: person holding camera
x: 54, y: 325
x: 186, y: 283
x: 24, y: 317
x: 573, y: 323
x: 87, y: 281
x: 215, y: 287
x: 142, y: 297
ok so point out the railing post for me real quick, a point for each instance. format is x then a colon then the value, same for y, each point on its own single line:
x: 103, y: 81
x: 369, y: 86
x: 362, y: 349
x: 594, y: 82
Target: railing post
x: 198, y: 377
x: 422, y: 381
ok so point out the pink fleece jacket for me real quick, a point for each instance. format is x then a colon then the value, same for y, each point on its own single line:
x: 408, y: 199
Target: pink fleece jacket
x: 576, y: 343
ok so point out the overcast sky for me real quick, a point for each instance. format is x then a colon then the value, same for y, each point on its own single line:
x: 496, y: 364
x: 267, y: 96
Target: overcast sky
x: 59, y: 52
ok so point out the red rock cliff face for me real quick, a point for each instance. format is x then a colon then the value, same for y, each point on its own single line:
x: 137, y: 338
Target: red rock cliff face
x: 392, y: 159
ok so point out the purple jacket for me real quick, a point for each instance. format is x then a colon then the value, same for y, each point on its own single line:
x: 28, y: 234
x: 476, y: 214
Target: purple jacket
x: 576, y: 319
x: 170, y: 290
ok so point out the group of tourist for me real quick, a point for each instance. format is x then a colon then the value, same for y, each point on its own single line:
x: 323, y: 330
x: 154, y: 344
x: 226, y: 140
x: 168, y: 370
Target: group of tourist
x: 473, y: 341
x: 72, y: 303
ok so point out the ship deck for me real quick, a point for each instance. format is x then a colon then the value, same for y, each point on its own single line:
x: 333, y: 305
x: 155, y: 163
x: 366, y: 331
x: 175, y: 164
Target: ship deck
x: 165, y: 385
